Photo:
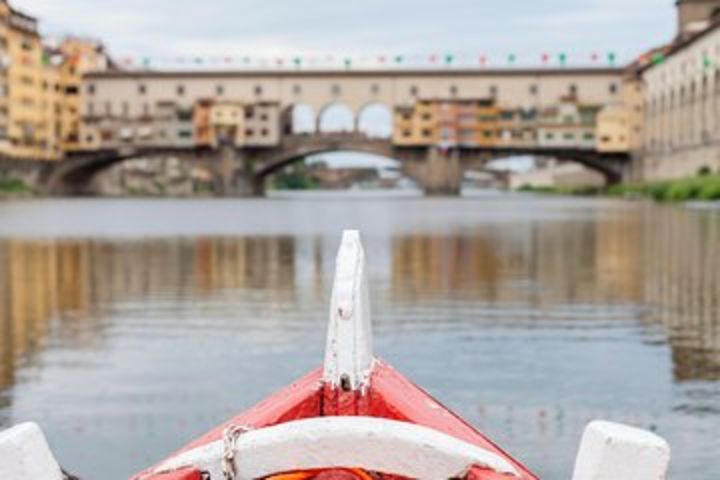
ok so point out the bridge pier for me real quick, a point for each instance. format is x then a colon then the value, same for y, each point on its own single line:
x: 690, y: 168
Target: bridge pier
x: 438, y: 172
x: 235, y: 174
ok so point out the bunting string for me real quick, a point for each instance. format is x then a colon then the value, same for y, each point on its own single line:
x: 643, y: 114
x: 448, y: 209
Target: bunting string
x: 384, y: 60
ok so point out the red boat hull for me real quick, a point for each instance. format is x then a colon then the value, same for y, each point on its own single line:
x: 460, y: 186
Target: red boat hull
x: 390, y: 395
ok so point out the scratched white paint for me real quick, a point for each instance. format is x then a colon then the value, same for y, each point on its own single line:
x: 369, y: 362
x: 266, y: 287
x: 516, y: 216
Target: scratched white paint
x: 610, y: 451
x: 349, y: 351
x: 373, y: 444
x: 25, y: 455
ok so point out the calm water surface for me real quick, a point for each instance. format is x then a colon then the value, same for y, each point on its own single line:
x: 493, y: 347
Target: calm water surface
x: 129, y: 327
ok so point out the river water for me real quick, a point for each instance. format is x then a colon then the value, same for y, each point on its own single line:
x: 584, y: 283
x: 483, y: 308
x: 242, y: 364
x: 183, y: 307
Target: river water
x: 128, y: 327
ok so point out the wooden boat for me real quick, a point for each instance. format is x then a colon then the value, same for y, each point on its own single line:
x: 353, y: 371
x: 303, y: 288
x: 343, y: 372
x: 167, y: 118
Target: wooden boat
x: 357, y: 418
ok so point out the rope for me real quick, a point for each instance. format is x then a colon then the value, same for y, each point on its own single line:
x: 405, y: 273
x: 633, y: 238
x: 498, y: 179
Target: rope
x: 231, y: 435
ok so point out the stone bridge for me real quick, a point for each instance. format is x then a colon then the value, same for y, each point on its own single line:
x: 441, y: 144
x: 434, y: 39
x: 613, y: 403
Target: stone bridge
x: 244, y: 171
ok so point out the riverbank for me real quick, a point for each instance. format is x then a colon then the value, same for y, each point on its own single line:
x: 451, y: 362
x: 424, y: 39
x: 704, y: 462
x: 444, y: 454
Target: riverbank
x: 11, y: 188
x: 702, y: 188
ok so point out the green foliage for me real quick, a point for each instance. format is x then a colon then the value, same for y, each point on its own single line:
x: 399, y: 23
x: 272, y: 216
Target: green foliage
x: 658, y: 191
x: 705, y: 186
x: 682, y: 191
x: 11, y: 185
x: 293, y: 181
x: 547, y: 190
x: 711, y: 189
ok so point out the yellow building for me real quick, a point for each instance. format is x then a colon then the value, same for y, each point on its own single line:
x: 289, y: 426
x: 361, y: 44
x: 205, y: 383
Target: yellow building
x: 40, y: 88
x: 50, y: 121
x: 4, y: 63
x: 416, y: 125
x: 79, y: 56
x: 613, y: 129
x: 228, y: 121
x: 447, y: 123
x: 24, y: 77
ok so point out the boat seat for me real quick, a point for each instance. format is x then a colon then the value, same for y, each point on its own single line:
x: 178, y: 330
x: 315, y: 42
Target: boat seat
x: 366, y: 443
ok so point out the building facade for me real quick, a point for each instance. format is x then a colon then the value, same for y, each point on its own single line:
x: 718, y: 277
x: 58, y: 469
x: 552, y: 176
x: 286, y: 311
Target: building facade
x: 461, y: 107
x: 682, y: 111
x: 40, y: 88
x: 23, y: 72
x: 568, y: 124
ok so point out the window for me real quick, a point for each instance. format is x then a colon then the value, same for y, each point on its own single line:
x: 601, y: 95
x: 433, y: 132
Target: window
x: 249, y: 112
x: 336, y: 90
x: 108, y: 109
x: 573, y: 90
x: 181, y: 90
x: 297, y: 90
x: 142, y: 89
x: 264, y: 117
x: 264, y: 132
x: 185, y: 134
x: 413, y: 91
x: 453, y: 90
x: 91, y: 109
x: 613, y: 88
x: 220, y: 90
x: 569, y: 136
x: 249, y: 132
x: 71, y: 90
x: 258, y: 90
x: 427, y: 133
x: 91, y: 89
x: 407, y: 133
x: 125, y: 109
x: 533, y: 89
x: 494, y: 91
x: 375, y: 89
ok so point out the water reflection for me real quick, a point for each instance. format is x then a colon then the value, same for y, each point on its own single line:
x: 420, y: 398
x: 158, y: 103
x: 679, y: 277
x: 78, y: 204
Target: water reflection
x: 63, y: 286
x: 536, y: 322
x: 682, y: 284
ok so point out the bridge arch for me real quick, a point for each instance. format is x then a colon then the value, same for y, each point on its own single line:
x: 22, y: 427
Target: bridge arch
x: 300, y: 118
x: 375, y: 120
x: 75, y: 175
x: 297, y: 150
x: 336, y: 117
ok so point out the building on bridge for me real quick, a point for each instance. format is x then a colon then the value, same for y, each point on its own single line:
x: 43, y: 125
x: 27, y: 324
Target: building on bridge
x: 429, y: 108
x: 567, y: 124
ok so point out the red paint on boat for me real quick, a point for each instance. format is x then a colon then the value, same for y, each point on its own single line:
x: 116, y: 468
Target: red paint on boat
x: 394, y: 396
x: 185, y: 474
x: 390, y: 395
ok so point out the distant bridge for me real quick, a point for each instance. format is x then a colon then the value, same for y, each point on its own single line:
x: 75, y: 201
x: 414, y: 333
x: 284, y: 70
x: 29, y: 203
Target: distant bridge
x: 244, y: 171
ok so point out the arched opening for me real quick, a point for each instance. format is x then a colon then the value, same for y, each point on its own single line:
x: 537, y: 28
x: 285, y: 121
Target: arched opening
x: 300, y: 119
x: 336, y: 118
x: 337, y: 170
x: 532, y: 173
x: 153, y: 175
x: 375, y: 120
